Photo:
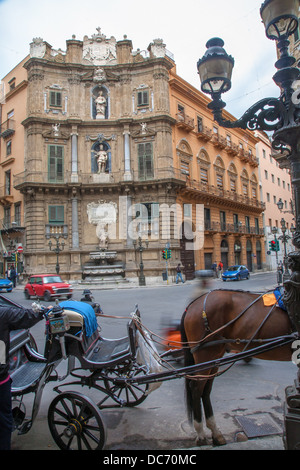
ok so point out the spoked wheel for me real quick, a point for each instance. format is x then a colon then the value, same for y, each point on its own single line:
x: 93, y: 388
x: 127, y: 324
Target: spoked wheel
x: 126, y: 394
x: 75, y: 422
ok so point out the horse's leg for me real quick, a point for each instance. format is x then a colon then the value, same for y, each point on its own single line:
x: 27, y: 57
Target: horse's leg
x: 196, y: 395
x: 217, y: 436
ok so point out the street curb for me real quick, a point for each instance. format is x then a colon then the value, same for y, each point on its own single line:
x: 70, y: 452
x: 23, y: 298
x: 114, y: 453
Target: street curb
x: 82, y: 285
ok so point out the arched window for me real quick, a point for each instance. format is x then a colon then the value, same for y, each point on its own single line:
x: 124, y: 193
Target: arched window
x: 219, y: 173
x: 232, y: 177
x: 253, y: 186
x: 204, y: 166
x: 245, y: 183
x: 185, y: 156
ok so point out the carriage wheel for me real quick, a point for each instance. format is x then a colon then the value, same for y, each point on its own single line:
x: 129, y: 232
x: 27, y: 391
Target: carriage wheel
x: 75, y: 423
x: 129, y: 394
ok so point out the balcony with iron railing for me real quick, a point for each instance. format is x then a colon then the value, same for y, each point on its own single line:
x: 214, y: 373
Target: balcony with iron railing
x: 218, y: 141
x: 7, y: 128
x: 36, y: 179
x: 6, y: 197
x: 11, y: 224
x: 204, y: 133
x: 211, y: 191
x: 220, y: 227
x: 185, y: 122
x: 41, y: 178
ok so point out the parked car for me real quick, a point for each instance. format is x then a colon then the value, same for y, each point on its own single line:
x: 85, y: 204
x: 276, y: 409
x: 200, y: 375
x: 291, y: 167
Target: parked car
x: 236, y: 273
x: 47, y: 287
x: 5, y: 284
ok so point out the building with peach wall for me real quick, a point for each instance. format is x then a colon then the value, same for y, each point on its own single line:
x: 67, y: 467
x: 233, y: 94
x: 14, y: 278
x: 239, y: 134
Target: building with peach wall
x: 12, y: 142
x: 220, y: 169
x: 275, y: 185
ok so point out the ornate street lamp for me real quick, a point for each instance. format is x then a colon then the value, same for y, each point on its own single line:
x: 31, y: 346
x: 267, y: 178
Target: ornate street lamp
x: 281, y: 115
x: 284, y: 238
x: 139, y: 247
x: 57, y: 249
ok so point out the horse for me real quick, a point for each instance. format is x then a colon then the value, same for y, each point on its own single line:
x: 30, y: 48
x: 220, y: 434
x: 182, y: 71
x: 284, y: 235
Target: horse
x: 215, y: 322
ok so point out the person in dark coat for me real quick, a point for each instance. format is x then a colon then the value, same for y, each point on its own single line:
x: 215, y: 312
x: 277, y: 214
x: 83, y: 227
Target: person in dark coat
x: 13, y: 275
x: 11, y: 318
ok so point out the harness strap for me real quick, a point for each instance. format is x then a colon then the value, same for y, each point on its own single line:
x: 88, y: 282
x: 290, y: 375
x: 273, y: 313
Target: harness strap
x: 212, y: 333
x: 204, y: 316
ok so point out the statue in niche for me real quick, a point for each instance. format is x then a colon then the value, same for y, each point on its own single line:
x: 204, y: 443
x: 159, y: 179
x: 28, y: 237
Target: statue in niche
x: 100, y: 105
x: 102, y: 234
x: 101, y: 159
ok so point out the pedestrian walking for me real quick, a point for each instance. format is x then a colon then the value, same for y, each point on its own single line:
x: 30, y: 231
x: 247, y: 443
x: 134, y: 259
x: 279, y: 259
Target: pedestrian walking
x: 11, y: 318
x: 179, y: 274
x: 214, y: 268
x: 13, y: 276
x: 220, y: 269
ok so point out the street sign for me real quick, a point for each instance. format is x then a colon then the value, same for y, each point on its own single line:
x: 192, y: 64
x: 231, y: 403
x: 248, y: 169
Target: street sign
x: 20, y: 249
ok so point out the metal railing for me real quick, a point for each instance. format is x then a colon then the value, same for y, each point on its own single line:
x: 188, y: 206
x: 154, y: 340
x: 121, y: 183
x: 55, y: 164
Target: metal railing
x: 38, y: 178
x: 11, y: 223
x: 7, y: 128
x: 232, y: 228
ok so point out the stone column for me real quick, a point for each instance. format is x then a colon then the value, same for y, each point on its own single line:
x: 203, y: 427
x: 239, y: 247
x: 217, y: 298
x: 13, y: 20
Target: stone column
x: 127, y: 169
x: 74, y: 158
x: 75, y: 232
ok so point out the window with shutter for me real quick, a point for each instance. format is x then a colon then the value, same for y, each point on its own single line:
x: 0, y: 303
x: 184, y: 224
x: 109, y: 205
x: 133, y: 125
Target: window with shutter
x: 56, y: 214
x: 55, y: 163
x: 143, y: 98
x: 219, y: 181
x: 55, y: 99
x: 145, y: 161
x: 203, y: 175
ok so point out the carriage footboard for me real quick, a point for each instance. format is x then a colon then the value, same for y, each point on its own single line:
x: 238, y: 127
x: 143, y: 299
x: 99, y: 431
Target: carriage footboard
x: 25, y: 377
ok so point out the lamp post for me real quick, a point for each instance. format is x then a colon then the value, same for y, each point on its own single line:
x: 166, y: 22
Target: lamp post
x: 138, y: 246
x: 284, y: 238
x: 274, y: 230
x: 57, y: 249
x: 281, y: 115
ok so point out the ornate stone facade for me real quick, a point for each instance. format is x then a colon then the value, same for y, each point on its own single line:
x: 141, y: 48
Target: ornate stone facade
x: 111, y: 154
x: 98, y: 128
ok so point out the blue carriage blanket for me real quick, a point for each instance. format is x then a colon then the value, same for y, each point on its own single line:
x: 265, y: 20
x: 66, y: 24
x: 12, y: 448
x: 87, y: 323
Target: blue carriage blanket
x: 86, y: 310
x: 279, y: 297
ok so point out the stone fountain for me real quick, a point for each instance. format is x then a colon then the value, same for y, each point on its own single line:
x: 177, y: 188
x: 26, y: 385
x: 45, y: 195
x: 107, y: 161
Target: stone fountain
x: 103, y: 267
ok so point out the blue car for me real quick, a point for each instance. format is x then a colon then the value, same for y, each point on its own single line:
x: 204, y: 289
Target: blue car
x: 236, y: 273
x: 5, y: 284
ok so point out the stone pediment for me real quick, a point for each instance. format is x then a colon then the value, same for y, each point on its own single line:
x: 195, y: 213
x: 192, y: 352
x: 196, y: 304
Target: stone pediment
x: 56, y: 133
x: 143, y: 132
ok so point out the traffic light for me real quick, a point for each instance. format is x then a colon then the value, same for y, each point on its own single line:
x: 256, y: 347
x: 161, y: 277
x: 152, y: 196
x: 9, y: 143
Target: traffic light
x: 166, y: 254
x: 272, y: 245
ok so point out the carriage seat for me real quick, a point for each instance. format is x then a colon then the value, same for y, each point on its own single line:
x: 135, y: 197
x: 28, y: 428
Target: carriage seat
x: 82, y: 314
x: 75, y: 319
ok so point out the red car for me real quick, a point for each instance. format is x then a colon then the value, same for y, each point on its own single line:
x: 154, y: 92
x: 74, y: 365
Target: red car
x: 47, y: 287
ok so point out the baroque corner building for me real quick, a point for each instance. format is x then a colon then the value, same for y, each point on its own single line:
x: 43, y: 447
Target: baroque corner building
x: 117, y: 146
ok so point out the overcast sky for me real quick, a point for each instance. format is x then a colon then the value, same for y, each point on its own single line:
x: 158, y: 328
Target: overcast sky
x: 184, y: 25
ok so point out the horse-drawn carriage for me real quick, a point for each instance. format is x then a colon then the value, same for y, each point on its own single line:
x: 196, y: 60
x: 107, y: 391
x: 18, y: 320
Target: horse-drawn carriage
x: 124, y: 370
